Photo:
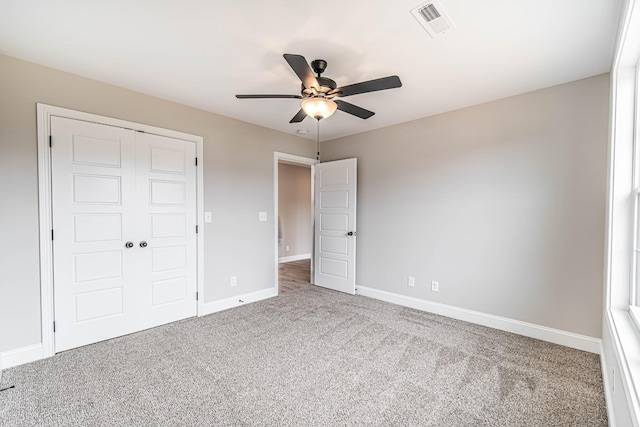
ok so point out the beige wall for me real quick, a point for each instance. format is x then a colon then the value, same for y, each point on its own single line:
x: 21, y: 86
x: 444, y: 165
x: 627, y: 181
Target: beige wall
x: 238, y: 183
x: 294, y: 210
x: 503, y: 203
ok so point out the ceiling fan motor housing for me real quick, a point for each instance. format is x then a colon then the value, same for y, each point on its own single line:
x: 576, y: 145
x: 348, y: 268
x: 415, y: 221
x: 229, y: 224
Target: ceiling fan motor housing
x: 326, y: 85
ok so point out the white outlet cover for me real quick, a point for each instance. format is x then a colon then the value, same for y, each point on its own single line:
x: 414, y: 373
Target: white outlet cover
x: 262, y: 216
x: 207, y: 216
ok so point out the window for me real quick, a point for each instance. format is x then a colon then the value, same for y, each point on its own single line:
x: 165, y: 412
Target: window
x: 621, y: 328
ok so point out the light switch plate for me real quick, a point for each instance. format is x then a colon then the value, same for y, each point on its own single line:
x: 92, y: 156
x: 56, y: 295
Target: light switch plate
x: 207, y: 217
x: 262, y: 216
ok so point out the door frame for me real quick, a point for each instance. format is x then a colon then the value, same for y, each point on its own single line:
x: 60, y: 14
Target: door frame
x: 306, y: 161
x: 45, y: 210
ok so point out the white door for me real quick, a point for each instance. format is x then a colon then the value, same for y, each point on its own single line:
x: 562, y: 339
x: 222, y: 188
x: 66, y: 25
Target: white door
x: 166, y: 223
x: 112, y: 190
x: 335, y: 225
x: 94, y: 274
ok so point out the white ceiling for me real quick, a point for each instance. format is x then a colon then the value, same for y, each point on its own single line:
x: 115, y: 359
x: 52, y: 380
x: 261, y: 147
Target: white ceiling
x: 203, y: 52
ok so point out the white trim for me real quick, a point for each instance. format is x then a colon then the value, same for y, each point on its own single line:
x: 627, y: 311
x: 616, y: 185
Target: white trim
x: 623, y: 331
x: 608, y: 389
x: 44, y: 114
x: 622, y: 342
x: 293, y: 258
x: 200, y: 221
x: 236, y: 301
x: 289, y: 158
x: 556, y: 336
x: 21, y: 355
x: 46, y: 225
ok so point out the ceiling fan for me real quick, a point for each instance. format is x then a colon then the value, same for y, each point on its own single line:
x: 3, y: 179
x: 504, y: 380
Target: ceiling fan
x: 319, y: 92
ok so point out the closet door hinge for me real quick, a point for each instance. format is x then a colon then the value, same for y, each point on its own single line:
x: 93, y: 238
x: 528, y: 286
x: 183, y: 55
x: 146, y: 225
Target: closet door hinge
x: 51, y: 234
x: 54, y: 326
x: 196, y: 296
x: 50, y: 141
x: 196, y: 229
x: 196, y: 161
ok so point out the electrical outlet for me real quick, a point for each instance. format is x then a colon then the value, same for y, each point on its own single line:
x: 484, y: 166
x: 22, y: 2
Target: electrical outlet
x: 411, y: 281
x: 262, y: 216
x: 286, y: 248
x: 435, y: 286
x: 234, y: 280
x: 207, y: 217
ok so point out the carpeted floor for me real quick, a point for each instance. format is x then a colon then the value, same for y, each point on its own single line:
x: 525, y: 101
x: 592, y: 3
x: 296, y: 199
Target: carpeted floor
x: 311, y: 357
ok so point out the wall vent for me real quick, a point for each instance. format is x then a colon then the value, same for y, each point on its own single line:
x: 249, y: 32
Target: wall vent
x: 433, y: 18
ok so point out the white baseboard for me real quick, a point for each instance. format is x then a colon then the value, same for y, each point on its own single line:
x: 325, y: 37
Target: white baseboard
x: 556, y: 336
x: 608, y: 394
x: 294, y: 258
x: 21, y: 355
x: 225, y: 304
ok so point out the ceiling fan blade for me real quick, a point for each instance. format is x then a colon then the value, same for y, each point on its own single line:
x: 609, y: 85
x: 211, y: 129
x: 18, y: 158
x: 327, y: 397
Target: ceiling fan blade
x: 268, y: 96
x: 298, y: 117
x: 368, y: 86
x: 353, y: 109
x: 301, y: 67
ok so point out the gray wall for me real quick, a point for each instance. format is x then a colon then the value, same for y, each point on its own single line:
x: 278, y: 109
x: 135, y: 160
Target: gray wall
x: 503, y: 203
x: 294, y: 210
x: 238, y: 182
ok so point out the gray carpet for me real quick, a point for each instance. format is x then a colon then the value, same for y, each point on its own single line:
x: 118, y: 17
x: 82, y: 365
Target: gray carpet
x: 311, y: 357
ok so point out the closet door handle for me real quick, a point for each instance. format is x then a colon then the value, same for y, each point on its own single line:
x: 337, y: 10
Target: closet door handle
x: 143, y: 244
x: 128, y: 245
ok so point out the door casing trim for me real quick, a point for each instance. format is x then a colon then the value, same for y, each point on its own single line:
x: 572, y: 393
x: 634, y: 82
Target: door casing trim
x: 44, y: 114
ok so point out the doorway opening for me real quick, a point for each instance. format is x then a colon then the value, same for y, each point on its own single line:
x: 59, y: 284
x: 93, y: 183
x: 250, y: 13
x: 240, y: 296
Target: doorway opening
x: 293, y: 205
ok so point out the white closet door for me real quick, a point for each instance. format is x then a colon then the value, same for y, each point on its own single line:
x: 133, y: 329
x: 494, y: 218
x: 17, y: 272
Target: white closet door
x: 335, y: 225
x: 93, y: 216
x: 166, y: 188
x: 124, y: 218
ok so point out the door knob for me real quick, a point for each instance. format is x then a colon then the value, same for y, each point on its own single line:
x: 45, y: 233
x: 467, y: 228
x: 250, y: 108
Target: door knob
x: 128, y: 245
x: 143, y: 244
x: 351, y: 233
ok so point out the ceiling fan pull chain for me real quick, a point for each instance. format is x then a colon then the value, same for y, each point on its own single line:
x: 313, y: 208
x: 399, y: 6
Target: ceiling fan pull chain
x: 318, y: 140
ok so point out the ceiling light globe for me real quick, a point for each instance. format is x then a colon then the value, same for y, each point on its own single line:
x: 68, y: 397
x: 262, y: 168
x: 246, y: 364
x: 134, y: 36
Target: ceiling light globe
x: 319, y: 108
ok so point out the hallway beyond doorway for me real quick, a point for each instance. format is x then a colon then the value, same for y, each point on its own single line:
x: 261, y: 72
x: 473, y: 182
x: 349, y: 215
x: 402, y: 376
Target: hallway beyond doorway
x: 293, y: 275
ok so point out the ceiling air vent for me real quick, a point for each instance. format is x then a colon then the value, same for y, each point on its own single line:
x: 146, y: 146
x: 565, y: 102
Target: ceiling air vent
x: 433, y: 18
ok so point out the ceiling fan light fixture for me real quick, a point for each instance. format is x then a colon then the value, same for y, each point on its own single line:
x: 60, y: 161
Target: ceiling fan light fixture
x: 319, y: 108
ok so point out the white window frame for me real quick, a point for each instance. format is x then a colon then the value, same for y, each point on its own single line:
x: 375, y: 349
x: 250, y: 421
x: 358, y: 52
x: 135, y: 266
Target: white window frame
x: 622, y: 296
x: 634, y: 292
